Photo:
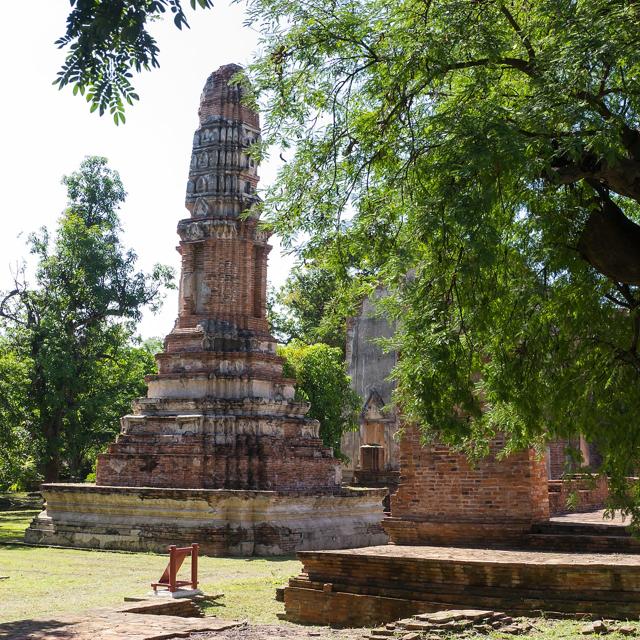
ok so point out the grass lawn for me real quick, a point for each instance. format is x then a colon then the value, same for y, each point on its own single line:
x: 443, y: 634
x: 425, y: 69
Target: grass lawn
x: 13, y: 524
x: 44, y: 581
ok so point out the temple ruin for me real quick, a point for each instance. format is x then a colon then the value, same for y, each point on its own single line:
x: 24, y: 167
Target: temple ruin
x: 463, y: 535
x: 219, y: 452
x: 374, y: 451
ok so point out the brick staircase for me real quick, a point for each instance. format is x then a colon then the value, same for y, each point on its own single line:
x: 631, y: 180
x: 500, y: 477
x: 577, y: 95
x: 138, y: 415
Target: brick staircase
x: 584, y: 537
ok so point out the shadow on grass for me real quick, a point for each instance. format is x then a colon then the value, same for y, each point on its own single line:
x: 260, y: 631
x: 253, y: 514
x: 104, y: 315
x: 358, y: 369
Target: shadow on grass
x: 13, y: 524
x: 22, y: 629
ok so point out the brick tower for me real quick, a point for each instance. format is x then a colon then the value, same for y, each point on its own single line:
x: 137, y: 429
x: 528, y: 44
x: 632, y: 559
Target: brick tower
x: 219, y: 413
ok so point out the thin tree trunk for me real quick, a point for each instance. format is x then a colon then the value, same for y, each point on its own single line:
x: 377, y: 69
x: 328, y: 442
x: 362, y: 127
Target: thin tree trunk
x: 51, y: 461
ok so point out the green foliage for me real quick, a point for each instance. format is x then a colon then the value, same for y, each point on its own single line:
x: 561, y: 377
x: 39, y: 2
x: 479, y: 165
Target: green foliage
x: 475, y: 158
x: 322, y: 380
x: 108, y: 40
x: 18, y: 469
x: 309, y: 307
x: 68, y: 338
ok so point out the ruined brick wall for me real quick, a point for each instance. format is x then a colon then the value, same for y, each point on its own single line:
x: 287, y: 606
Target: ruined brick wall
x: 442, y: 497
x: 577, y: 494
x: 245, y: 462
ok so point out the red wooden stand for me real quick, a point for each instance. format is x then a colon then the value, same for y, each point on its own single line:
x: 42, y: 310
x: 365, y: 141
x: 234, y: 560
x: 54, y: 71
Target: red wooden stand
x: 176, y: 558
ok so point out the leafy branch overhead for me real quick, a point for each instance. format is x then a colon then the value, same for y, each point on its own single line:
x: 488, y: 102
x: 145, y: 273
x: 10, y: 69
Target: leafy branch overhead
x: 107, y: 40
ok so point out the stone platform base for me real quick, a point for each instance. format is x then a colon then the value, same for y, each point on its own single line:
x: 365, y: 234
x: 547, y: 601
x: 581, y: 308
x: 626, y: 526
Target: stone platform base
x: 223, y: 522
x: 363, y: 587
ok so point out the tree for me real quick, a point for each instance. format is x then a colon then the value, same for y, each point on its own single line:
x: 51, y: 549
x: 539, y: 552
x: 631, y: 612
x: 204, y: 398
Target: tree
x: 481, y: 159
x: 71, y: 330
x: 109, y: 39
x: 310, y: 307
x: 93, y: 423
x: 322, y: 380
x: 117, y: 379
x: 18, y: 462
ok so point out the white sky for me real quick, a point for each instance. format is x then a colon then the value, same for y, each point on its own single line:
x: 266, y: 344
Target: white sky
x: 45, y: 133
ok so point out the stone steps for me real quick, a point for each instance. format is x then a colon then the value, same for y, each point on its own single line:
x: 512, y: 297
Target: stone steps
x: 586, y: 537
x: 443, y: 624
x: 460, y: 594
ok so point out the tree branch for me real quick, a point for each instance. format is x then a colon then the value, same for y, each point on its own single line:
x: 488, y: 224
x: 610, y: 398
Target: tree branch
x: 610, y: 241
x: 523, y: 36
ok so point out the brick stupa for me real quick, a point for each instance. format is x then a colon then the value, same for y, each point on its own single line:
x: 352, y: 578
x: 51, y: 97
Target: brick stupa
x: 220, y: 414
x: 219, y: 452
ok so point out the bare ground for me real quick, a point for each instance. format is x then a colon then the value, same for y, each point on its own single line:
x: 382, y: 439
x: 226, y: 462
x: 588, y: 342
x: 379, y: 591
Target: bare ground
x: 280, y: 632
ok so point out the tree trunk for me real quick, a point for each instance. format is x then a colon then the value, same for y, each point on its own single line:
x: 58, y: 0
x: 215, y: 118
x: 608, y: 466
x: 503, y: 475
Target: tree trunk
x: 52, y: 467
x: 51, y: 460
x: 610, y: 242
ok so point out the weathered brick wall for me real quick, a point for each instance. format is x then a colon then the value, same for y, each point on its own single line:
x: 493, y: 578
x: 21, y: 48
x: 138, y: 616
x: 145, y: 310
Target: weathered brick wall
x: 365, y: 587
x: 219, y: 98
x: 225, y: 277
x: 244, y: 462
x: 443, y: 497
x: 577, y: 494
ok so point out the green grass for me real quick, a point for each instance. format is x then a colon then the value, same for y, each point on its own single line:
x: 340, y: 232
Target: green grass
x: 545, y: 629
x: 13, y: 524
x: 16, y: 512
x: 46, y: 581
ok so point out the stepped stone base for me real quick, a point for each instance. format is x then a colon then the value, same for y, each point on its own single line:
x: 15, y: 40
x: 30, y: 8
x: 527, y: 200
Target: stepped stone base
x: 363, y: 587
x: 223, y: 522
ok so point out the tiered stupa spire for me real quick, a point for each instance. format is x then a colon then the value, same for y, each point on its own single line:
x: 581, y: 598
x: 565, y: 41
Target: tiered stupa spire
x: 219, y: 413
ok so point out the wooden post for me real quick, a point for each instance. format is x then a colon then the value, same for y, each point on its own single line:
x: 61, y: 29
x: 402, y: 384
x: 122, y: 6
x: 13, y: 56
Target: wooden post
x: 173, y: 569
x: 194, y: 565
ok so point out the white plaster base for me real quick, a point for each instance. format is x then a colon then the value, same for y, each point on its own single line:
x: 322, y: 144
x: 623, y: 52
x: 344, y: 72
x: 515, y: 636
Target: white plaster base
x: 223, y: 522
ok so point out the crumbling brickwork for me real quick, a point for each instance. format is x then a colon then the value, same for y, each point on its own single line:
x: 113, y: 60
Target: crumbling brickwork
x: 443, y: 498
x: 365, y: 587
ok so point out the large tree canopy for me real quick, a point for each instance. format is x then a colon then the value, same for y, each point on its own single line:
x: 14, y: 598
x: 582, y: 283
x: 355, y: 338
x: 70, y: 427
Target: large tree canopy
x: 482, y: 159
x: 310, y: 306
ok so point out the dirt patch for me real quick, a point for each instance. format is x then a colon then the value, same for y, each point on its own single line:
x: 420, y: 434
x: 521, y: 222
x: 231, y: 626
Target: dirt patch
x: 281, y: 632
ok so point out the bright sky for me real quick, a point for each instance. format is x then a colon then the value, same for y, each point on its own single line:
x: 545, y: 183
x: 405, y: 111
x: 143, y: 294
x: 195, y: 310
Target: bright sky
x: 45, y: 133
